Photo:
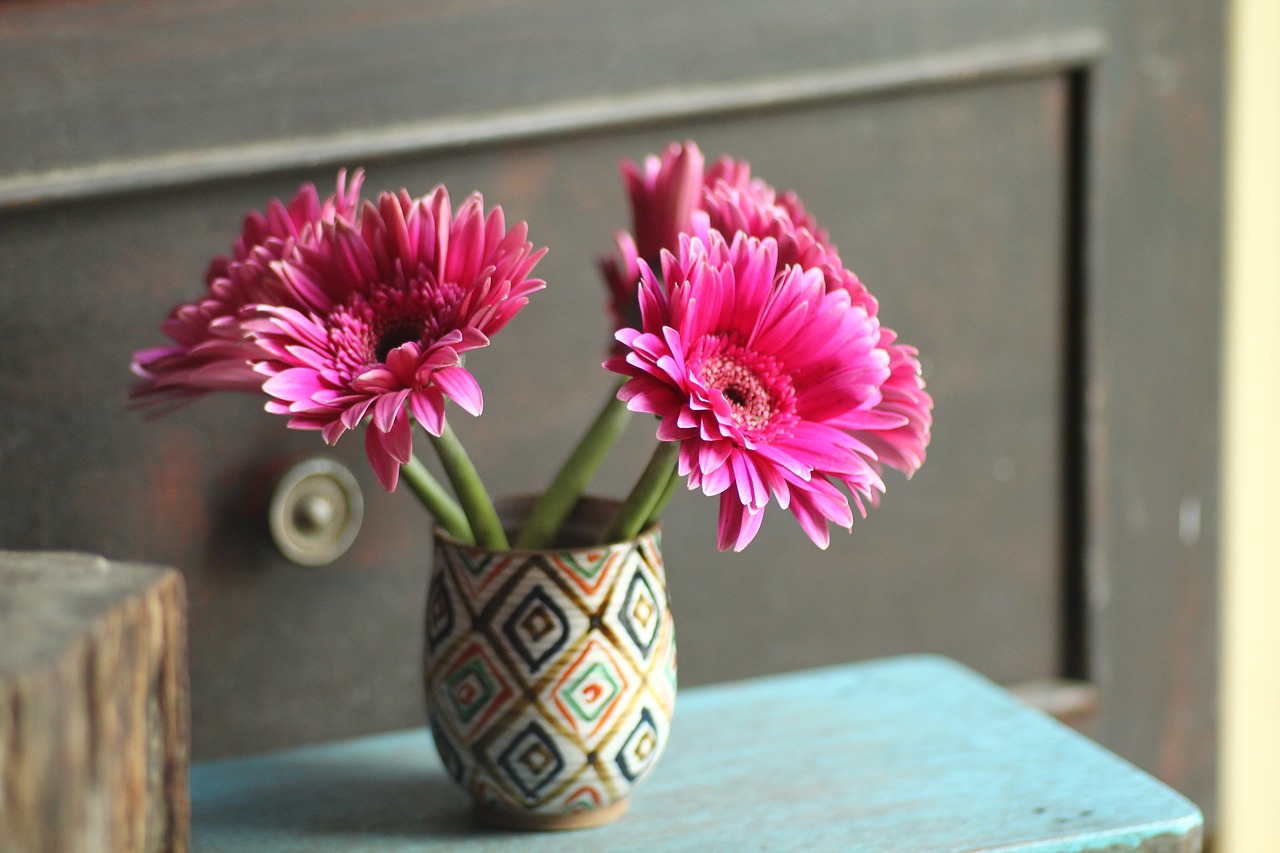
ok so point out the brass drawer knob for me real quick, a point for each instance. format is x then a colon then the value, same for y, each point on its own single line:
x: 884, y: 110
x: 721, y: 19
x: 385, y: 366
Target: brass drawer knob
x: 315, y: 512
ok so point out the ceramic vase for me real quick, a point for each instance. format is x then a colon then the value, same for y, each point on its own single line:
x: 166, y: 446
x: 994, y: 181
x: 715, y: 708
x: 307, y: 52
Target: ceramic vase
x: 550, y: 675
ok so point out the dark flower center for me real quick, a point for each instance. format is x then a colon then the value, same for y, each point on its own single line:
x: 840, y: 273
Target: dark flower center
x: 392, y: 313
x: 392, y: 334
x: 755, y: 385
x: 747, y: 396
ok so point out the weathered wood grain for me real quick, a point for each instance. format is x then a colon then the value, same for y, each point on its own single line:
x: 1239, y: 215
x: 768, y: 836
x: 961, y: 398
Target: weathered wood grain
x: 93, y: 706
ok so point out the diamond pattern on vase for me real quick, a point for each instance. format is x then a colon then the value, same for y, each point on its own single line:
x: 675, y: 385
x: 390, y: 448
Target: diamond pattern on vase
x: 550, y: 674
x: 591, y: 690
x: 537, y: 628
x: 640, y: 749
x: 531, y: 761
x: 586, y: 797
x: 638, y: 613
x: 477, y: 570
x: 650, y: 551
x: 473, y: 689
x: 439, y: 611
x: 589, y: 570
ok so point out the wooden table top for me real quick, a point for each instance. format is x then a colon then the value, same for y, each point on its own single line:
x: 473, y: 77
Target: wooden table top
x: 902, y: 754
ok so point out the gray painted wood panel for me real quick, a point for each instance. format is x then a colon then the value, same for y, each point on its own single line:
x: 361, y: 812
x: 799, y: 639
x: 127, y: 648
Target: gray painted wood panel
x: 1151, y: 417
x: 111, y: 95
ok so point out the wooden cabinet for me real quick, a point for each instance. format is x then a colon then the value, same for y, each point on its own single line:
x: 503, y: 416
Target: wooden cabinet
x: 1031, y: 188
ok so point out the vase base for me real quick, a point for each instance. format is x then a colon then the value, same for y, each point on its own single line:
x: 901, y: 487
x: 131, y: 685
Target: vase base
x: 581, y: 819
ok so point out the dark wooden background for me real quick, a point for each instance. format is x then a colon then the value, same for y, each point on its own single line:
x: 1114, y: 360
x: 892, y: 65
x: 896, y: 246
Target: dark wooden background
x: 1031, y: 188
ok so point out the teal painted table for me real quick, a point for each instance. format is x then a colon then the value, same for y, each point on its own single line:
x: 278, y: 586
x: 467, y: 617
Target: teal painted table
x: 904, y: 754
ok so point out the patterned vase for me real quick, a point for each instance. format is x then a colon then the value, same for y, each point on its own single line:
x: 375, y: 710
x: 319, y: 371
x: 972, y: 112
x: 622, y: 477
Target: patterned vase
x: 550, y: 675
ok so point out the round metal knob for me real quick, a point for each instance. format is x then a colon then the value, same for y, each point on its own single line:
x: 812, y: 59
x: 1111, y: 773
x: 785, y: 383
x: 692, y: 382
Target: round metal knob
x: 315, y: 512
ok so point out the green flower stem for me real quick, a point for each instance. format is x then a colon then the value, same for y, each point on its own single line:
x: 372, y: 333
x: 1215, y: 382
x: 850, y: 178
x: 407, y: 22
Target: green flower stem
x: 663, y: 499
x: 438, y: 502
x: 643, y: 500
x: 543, y: 525
x: 470, y: 490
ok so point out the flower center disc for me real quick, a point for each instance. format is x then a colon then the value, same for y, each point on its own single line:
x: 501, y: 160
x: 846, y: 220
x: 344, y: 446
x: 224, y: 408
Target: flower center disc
x: 392, y: 335
x: 748, y: 397
x: 365, y: 330
x: 756, y: 386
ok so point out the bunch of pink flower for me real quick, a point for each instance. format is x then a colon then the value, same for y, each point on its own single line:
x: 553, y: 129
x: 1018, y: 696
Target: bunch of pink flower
x: 737, y: 325
x: 344, y: 315
x: 209, y: 350
x: 762, y: 354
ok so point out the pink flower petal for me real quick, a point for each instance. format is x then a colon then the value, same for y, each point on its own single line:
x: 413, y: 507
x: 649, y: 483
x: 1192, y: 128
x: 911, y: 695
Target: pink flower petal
x: 738, y: 524
x: 386, y: 409
x: 384, y: 465
x: 427, y: 406
x: 294, y: 384
x: 462, y: 388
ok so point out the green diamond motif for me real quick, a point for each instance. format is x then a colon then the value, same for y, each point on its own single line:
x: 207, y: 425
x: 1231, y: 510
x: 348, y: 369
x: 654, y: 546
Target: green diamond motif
x: 590, y: 693
x: 587, y: 570
x: 470, y: 689
x: 477, y: 567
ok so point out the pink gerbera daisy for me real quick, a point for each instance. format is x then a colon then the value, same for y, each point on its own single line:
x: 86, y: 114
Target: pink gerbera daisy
x: 664, y: 196
x: 673, y: 196
x: 210, y: 351
x: 761, y: 375
x: 734, y: 202
x: 386, y: 311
